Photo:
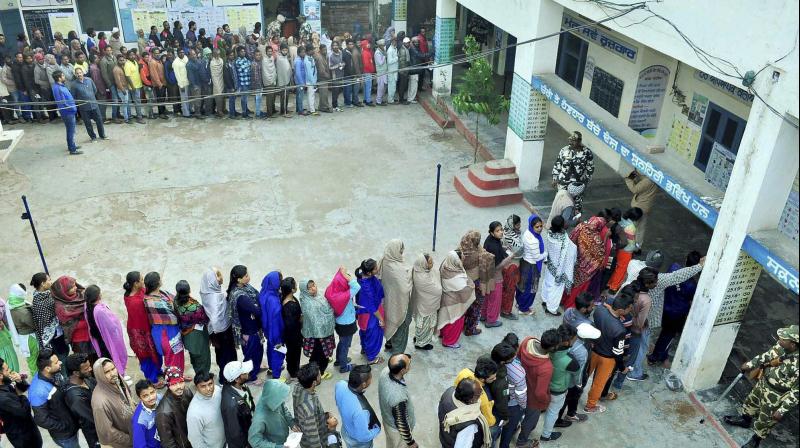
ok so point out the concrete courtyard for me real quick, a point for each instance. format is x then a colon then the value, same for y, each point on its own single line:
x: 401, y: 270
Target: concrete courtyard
x: 303, y: 195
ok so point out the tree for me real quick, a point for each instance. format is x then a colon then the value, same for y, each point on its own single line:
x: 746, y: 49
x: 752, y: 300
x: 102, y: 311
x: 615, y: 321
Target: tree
x: 476, y: 91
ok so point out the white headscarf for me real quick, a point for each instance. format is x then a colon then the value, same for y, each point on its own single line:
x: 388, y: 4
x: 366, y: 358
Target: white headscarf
x: 215, y: 302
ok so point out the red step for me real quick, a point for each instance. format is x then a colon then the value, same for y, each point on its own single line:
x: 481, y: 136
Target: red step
x: 484, y: 198
x: 500, y: 167
x: 486, y: 181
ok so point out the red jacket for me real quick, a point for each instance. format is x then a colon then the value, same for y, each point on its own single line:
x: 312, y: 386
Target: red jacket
x: 538, y: 372
x: 366, y: 58
x: 423, y: 43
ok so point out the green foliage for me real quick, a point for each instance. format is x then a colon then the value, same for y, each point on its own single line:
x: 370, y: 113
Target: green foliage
x: 476, y: 88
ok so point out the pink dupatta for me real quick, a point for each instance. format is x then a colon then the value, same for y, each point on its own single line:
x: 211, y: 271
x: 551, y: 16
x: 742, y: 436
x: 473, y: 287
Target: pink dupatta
x: 112, y: 333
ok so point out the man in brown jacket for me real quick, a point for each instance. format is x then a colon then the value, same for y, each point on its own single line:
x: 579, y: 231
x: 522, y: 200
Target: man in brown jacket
x: 171, y: 411
x: 112, y: 406
x: 323, y: 78
x: 159, y: 84
x: 644, y: 196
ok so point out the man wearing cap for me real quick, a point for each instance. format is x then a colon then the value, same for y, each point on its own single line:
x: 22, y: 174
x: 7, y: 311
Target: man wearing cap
x: 381, y: 69
x: 171, y: 411
x: 776, y: 391
x: 238, y: 404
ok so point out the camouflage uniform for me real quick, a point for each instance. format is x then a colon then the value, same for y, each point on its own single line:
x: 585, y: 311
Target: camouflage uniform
x: 777, y: 390
x: 574, y: 165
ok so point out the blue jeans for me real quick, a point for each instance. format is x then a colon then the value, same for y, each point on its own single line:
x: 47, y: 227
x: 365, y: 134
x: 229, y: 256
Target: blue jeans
x: 348, y: 94
x: 69, y: 123
x: 27, y: 111
x: 367, y: 88
x: 72, y: 442
x: 341, y: 350
x: 507, y: 432
x: 350, y: 443
x: 640, y: 353
x: 232, y: 105
x: 551, y: 415
x: 243, y: 100
x: 125, y: 99
x: 114, y: 99
x: 258, y: 105
x: 136, y: 98
x: 495, y: 432
x: 298, y: 99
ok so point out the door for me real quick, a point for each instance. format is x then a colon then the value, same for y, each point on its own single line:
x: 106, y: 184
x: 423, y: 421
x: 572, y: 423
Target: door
x: 11, y: 23
x: 722, y: 127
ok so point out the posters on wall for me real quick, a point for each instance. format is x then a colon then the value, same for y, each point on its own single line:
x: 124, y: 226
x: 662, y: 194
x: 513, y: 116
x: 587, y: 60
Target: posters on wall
x: 789, y: 224
x: 142, y: 4
x: 684, y: 138
x: 720, y: 166
x: 41, y: 3
x: 208, y: 17
x: 647, y: 100
x: 697, y: 113
x: 62, y: 22
x: 184, y: 4
x: 312, y: 9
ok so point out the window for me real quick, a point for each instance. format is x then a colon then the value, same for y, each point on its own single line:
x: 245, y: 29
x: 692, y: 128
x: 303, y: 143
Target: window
x: 571, y: 59
x: 97, y: 14
x: 722, y: 127
x: 606, y: 91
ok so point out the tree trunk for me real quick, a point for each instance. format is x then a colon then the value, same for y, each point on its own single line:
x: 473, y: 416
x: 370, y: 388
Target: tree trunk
x: 477, y: 142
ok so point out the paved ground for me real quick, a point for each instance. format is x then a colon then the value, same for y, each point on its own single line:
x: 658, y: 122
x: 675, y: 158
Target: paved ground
x: 305, y: 195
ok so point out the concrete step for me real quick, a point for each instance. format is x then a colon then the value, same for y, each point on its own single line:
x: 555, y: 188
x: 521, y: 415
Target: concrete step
x: 500, y: 167
x: 484, y: 198
x: 486, y: 181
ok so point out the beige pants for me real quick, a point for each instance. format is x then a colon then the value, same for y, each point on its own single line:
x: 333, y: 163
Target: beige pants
x: 640, y: 228
x: 393, y: 438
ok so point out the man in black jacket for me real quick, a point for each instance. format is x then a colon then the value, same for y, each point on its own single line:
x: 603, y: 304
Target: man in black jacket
x: 418, y: 59
x: 237, y: 403
x: 15, y: 410
x: 78, y: 395
x: 171, y: 411
x: 47, y: 399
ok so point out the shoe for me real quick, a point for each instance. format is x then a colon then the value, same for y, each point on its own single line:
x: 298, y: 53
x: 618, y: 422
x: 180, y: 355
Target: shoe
x: 315, y: 113
x: 104, y: 138
x: 387, y: 346
x: 553, y: 436
x: 380, y: 104
x: 337, y: 362
x: 359, y: 104
x: 754, y: 442
x: 494, y: 324
x: 163, y: 117
x: 94, y: 140
x: 576, y: 418
x: 326, y: 376
x: 140, y: 121
x: 742, y: 421
x: 117, y: 121
x: 404, y: 103
x: 642, y: 378
x: 556, y: 314
x: 454, y: 346
x: 76, y: 152
x: 509, y: 316
x: 561, y: 423
x: 424, y: 347
x: 370, y: 104
x: 598, y: 409
x: 474, y: 333
x: 346, y: 368
x: 415, y: 102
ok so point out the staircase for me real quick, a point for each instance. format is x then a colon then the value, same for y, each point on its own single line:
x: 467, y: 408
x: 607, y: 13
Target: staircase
x: 489, y: 184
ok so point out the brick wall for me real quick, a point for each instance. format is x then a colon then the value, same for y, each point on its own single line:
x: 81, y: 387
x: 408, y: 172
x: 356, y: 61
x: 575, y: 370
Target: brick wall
x: 340, y: 16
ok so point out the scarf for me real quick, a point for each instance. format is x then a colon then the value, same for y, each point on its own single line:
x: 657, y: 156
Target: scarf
x: 69, y: 308
x: 252, y: 294
x: 466, y: 413
x: 562, y: 200
x: 560, y: 260
x: 591, y: 249
x: 426, y: 293
x: 159, y: 308
x: 477, y: 262
x: 338, y: 293
x: 269, y: 72
x: 538, y: 236
x: 214, y: 302
x: 512, y: 239
x: 318, y: 320
x: 396, y: 280
x: 495, y: 247
x: 458, y: 291
x: 16, y: 299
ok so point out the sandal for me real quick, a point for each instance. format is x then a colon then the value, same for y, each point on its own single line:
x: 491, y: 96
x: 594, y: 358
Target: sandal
x: 377, y: 360
x: 610, y: 397
x: 326, y: 376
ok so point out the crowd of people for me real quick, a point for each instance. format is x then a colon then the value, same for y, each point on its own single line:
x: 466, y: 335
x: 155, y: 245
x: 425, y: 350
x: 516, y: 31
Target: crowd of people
x: 192, y: 74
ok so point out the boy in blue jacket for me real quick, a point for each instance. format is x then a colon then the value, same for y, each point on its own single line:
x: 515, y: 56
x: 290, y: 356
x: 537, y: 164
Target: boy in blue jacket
x: 360, y: 424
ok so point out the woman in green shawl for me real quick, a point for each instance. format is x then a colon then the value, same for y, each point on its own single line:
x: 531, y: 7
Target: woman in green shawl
x: 318, y: 325
x: 19, y: 319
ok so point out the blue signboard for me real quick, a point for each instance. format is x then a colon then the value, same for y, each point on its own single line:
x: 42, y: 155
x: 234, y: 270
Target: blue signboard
x: 775, y: 266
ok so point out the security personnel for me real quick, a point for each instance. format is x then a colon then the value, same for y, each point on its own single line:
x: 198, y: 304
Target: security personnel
x: 776, y: 391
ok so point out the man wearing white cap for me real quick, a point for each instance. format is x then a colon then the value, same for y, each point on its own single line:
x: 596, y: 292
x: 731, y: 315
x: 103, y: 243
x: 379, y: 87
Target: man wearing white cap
x: 578, y: 319
x: 237, y: 403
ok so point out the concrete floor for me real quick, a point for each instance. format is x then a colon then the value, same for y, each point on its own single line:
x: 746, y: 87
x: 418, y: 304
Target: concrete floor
x: 305, y: 195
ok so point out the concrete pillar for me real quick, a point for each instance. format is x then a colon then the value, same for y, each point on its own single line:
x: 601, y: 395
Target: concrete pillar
x: 760, y: 182
x: 443, y: 42
x: 399, y: 16
x: 527, y: 117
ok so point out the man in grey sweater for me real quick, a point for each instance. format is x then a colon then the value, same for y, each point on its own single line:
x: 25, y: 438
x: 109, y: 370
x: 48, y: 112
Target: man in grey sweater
x: 84, y: 91
x: 397, y: 411
x: 204, y: 417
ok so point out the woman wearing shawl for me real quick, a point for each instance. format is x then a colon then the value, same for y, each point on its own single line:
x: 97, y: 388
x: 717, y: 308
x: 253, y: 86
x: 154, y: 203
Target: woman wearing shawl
x: 48, y: 330
x: 493, y: 302
x: 458, y: 294
x: 105, y: 329
x: 479, y: 266
x: 193, y: 323
x: 164, y: 326
x: 340, y: 294
x: 215, y: 302
x: 396, y: 281
x: 560, y: 267
x: 592, y: 252
x: 512, y: 243
x: 530, y: 267
x: 369, y: 310
x: 139, y: 331
x: 19, y: 321
x: 112, y: 406
x: 69, y: 304
x: 626, y: 249
x: 272, y: 321
x: 426, y: 295
x: 564, y: 205
x: 246, y: 318
x: 292, y: 316
x: 7, y: 352
x: 318, y: 323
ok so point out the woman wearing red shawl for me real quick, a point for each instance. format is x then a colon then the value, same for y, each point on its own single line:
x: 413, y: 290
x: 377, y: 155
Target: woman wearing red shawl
x: 69, y: 301
x: 458, y: 294
x: 138, y: 326
x: 593, y: 251
x: 340, y: 294
x: 479, y: 266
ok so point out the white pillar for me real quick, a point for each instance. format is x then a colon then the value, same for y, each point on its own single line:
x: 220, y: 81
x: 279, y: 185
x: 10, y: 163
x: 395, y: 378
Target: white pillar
x: 760, y: 182
x: 443, y: 42
x: 527, y: 118
x: 399, y: 16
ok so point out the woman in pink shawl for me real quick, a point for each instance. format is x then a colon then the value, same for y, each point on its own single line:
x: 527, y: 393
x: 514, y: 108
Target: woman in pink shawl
x: 105, y: 330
